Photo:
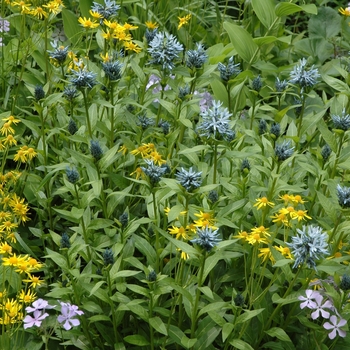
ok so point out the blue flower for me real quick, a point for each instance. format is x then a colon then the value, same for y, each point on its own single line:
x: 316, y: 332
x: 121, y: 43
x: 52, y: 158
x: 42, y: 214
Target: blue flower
x: 310, y: 246
x: 280, y: 85
x: 112, y: 68
x: 343, y: 196
x: 164, y: 49
x: 184, y: 91
x: 189, y: 179
x: 65, y: 243
x: 228, y: 71
x: 154, y: 172
x: 144, y: 121
x: 59, y: 55
x: 95, y: 149
x: 72, y: 126
x: 303, y: 77
x: 70, y: 93
x: 72, y: 175
x: 215, y: 122
x: 150, y: 34
x: 207, y: 238
x: 326, y: 152
x: 342, y: 121
x: 196, y: 58
x: 110, y: 9
x: 257, y: 83
x: 284, y: 150
x: 108, y: 258
x: 82, y: 78
x: 39, y: 92
x: 275, y: 129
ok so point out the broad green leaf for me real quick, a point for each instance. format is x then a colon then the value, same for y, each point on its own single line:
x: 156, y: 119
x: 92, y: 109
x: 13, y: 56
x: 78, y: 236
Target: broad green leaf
x: 220, y: 305
x: 248, y: 314
x: 279, y: 333
x: 96, y: 287
x: 226, y: 330
x: 59, y: 259
x: 240, y: 344
x: 327, y: 135
x: 138, y: 310
x: 158, y: 325
x: 97, y: 318
x: 243, y: 42
x: 336, y: 84
x: 71, y: 26
x: 329, y: 207
x: 286, y: 9
x: 327, y: 23
x: 176, y: 334
x: 219, y: 91
x: 136, y: 339
x: 265, y: 11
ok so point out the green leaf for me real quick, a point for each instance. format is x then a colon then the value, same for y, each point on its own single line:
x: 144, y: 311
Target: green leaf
x: 96, y: 287
x: 278, y: 333
x: 219, y: 91
x: 138, y: 310
x: 336, y: 84
x: 240, y: 344
x: 327, y: 23
x: 59, y: 259
x: 158, y: 325
x: 286, y: 8
x: 227, y: 330
x: 248, y: 314
x: 71, y: 26
x: 220, y: 305
x: 97, y: 318
x: 125, y: 273
x: 74, y: 215
x: 265, y: 11
x: 327, y: 135
x: 146, y: 249
x: 176, y: 334
x: 329, y: 207
x: 243, y: 42
x: 136, y: 339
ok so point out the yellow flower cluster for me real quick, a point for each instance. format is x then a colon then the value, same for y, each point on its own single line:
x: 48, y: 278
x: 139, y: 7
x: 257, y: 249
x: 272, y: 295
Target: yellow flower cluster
x: 112, y: 30
x: 12, y: 309
x: 183, y: 20
x: 290, y: 211
x: 41, y: 12
x: 186, y: 233
x: 25, y: 153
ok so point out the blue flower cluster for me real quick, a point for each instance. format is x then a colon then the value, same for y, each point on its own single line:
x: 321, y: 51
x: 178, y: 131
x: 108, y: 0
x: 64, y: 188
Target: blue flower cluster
x: 207, y: 238
x: 342, y: 121
x: 303, y: 77
x: 196, y: 58
x: 310, y: 245
x: 164, y: 49
x: 110, y: 9
x: 189, y: 179
x: 228, y: 71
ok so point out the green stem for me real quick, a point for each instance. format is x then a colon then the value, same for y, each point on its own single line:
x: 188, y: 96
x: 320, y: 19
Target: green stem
x: 215, y: 161
x: 87, y: 112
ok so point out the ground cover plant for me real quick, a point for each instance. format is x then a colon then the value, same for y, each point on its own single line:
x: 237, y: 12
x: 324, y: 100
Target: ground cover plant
x: 174, y: 174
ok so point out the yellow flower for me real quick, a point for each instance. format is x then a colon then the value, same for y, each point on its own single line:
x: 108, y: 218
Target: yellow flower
x: 123, y: 150
x: 107, y: 35
x: 300, y: 215
x: 35, y: 281
x: 261, y: 230
x: 22, y: 5
x: 95, y: 15
x: 30, y: 152
x: 297, y: 199
x: 285, y: 251
x: 54, y: 7
x: 242, y: 235
x: 13, y: 260
x: 183, y: 255
x: 8, y: 226
x: 88, y: 23
x: 7, y: 129
x: 145, y: 150
x: 265, y: 253
x: 262, y: 203
x: 39, y: 12
x: 10, y: 140
x: 180, y: 232
x: 130, y: 46
x: 20, y: 156
x: 280, y: 218
x: 183, y: 20
x: 287, y: 211
x: 138, y: 172
x: 157, y: 158
x: 114, y: 26
x: 5, y: 248
x: 27, y: 297
x: 34, y: 264
x: 256, y: 238
x: 151, y: 25
x: 128, y: 26
x: 11, y: 119
x: 204, y: 219
x: 122, y: 36
x: 23, y: 267
x: 345, y: 12
x: 287, y: 198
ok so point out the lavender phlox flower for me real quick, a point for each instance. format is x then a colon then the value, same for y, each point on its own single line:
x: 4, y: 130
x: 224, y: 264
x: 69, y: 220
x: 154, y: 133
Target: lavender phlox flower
x: 229, y: 70
x: 215, y: 121
x: 207, y: 238
x: 310, y: 246
x: 303, y: 77
x: 343, y: 193
x: 335, y: 326
x: 30, y: 321
x: 320, y: 308
x: 309, y: 300
x: 4, y: 25
x: 69, y: 311
x: 154, y: 172
x: 196, y: 58
x: 189, y: 179
x: 39, y: 304
x: 164, y: 49
x: 206, y: 100
x: 342, y: 121
x: 83, y: 78
x: 110, y: 9
x: 154, y: 81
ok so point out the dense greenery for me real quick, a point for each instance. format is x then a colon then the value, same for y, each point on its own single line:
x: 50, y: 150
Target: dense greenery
x: 174, y: 174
